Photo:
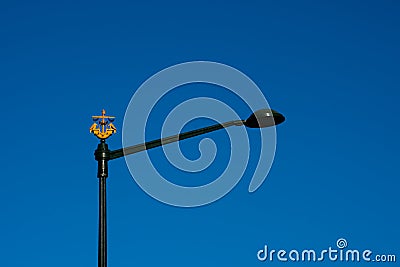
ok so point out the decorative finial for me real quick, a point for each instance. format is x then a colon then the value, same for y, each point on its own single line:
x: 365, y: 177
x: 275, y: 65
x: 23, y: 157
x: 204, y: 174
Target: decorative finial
x: 103, y: 128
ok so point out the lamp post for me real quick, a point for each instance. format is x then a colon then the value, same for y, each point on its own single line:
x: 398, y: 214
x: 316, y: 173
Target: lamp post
x: 103, y: 128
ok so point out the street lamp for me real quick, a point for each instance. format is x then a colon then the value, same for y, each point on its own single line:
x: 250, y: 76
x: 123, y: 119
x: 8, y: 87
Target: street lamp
x: 103, y: 128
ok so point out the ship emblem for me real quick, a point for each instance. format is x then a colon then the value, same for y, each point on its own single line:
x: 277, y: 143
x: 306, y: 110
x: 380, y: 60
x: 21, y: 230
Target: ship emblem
x: 102, y: 126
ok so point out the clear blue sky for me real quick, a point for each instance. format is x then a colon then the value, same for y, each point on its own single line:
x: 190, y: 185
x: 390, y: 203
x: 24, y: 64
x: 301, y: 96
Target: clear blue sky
x: 331, y: 67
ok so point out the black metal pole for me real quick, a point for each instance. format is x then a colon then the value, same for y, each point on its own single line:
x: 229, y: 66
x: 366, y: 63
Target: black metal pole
x: 102, y: 155
x: 259, y: 119
x: 102, y: 253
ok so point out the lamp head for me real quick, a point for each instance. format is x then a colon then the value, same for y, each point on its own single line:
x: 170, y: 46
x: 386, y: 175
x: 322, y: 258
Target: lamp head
x: 264, y: 118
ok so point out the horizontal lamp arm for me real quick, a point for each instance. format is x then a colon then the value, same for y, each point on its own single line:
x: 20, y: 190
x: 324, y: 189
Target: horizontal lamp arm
x: 171, y: 139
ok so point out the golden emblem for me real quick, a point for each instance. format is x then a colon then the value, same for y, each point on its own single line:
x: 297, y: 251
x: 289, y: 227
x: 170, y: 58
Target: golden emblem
x: 102, y: 126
